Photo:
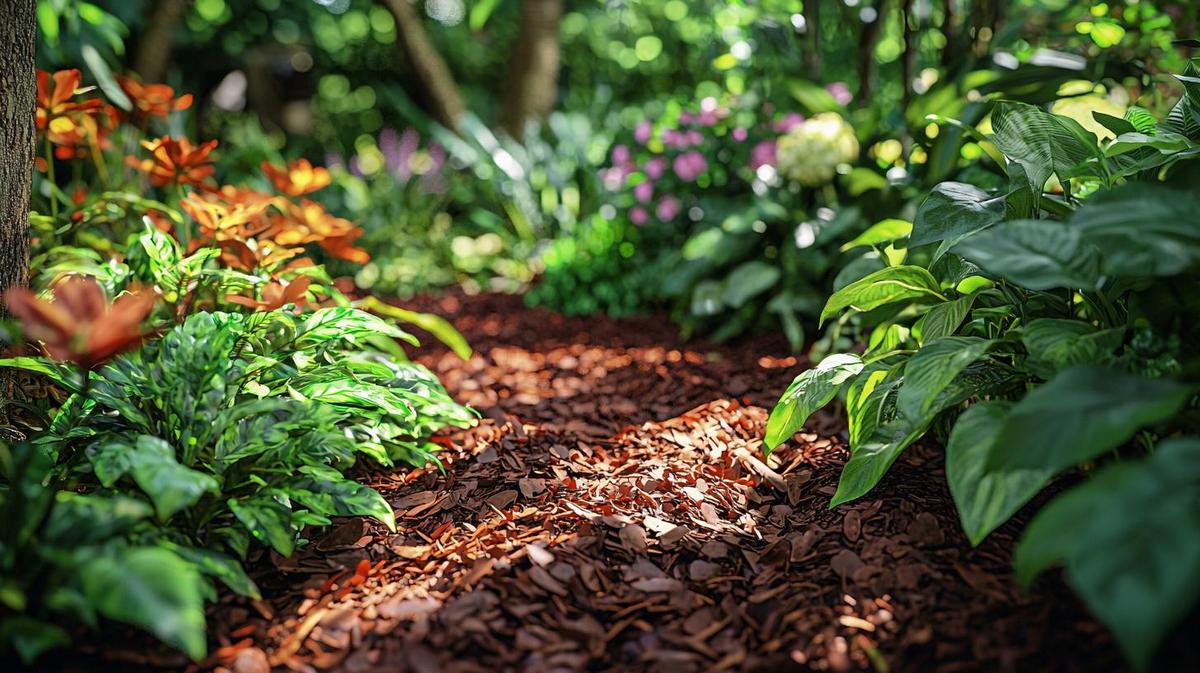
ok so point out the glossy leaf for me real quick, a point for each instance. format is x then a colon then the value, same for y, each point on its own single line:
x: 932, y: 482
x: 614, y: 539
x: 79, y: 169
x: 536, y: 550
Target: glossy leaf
x: 886, y: 286
x: 809, y: 391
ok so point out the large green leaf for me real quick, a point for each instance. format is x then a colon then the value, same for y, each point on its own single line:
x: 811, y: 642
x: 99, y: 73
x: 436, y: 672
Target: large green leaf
x: 1080, y: 414
x: 1043, y: 143
x: 1130, y: 540
x: 747, y: 281
x: 1142, y: 229
x: 883, y: 287
x: 268, y: 521
x: 219, y: 566
x: 63, y: 374
x: 809, y: 391
x: 1055, y: 344
x: 151, y: 588
x: 171, y: 486
x: 931, y: 370
x: 954, y: 210
x: 1039, y: 254
x: 328, y: 493
x: 884, y: 231
x: 985, y: 498
x: 871, y: 460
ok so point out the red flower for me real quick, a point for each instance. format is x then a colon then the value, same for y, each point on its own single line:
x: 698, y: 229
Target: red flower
x: 80, y: 325
x: 56, y: 112
x: 275, y: 294
x: 176, y: 161
x: 299, y: 178
x: 153, y: 100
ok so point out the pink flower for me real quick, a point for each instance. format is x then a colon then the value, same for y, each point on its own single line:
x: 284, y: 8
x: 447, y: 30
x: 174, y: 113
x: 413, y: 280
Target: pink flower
x: 695, y: 137
x: 790, y: 121
x: 668, y: 208
x: 763, y: 154
x: 689, y: 165
x: 686, y: 118
x: 643, y: 132
x: 644, y: 191
x: 655, y: 168
x: 621, y: 156
x: 638, y: 215
x: 840, y: 92
x: 740, y: 134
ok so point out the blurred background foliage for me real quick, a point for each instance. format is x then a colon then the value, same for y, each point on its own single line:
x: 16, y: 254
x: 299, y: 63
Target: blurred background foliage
x: 503, y: 144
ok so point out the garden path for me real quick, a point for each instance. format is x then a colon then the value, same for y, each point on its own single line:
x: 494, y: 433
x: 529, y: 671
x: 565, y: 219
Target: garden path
x: 611, y: 512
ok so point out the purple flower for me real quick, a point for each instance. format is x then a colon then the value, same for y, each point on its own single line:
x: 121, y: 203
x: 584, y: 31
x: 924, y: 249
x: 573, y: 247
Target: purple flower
x: 638, y: 215
x: 643, y: 132
x: 689, y: 165
x: 840, y: 92
x: 674, y: 139
x: 668, y: 208
x: 686, y: 117
x: 621, y: 156
x: 655, y: 168
x: 762, y: 154
x: 790, y: 121
x: 644, y: 191
x: 740, y: 134
x: 695, y: 137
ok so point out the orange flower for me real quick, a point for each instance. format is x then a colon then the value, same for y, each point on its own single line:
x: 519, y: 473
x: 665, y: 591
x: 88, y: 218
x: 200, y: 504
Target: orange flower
x: 79, y: 324
x: 153, y: 100
x: 251, y: 255
x: 343, y: 247
x: 275, y: 294
x: 299, y: 178
x: 56, y: 113
x: 308, y: 222
x: 219, y: 221
x: 176, y: 161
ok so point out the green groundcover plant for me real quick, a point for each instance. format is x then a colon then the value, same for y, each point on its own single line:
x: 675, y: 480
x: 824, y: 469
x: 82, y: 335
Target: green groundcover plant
x: 1039, y: 333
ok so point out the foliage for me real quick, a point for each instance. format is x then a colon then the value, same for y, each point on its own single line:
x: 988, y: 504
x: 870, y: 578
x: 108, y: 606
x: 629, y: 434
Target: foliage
x: 1045, y: 331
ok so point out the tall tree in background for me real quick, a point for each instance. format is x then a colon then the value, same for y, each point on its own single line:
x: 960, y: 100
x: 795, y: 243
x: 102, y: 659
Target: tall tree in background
x: 154, y: 48
x: 445, y: 102
x: 532, y: 87
x: 18, y: 90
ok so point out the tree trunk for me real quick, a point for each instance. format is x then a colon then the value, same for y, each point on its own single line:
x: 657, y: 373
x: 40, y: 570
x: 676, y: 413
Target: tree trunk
x: 866, y: 54
x: 446, y: 105
x: 18, y: 90
x: 154, y: 44
x: 532, y: 87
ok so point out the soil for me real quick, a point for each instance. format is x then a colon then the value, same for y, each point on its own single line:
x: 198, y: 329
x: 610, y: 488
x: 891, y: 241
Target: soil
x: 612, y: 511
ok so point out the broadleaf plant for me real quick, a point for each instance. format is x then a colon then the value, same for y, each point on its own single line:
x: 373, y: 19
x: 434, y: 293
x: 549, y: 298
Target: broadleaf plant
x: 1039, y: 331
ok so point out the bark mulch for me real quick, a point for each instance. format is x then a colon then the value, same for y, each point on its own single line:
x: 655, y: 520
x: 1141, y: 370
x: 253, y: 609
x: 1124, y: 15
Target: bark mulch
x: 612, y: 512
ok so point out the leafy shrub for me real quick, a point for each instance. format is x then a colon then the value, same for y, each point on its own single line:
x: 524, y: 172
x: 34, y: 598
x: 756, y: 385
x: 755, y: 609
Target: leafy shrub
x: 1045, y: 332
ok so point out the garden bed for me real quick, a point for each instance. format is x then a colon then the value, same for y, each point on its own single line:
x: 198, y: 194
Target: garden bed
x: 610, y: 512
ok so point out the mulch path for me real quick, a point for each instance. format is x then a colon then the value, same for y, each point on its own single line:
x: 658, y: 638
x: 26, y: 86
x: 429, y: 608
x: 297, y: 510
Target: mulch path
x: 612, y: 512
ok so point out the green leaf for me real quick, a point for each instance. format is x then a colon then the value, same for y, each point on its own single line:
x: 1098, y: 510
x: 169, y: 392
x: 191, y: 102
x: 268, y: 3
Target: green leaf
x: 1039, y: 254
x: 341, y: 323
x: 747, y: 281
x: 47, y: 20
x: 111, y: 459
x: 932, y: 368
x: 954, y: 210
x: 865, y: 399
x: 79, y: 519
x: 1080, y: 414
x: 32, y: 637
x: 1142, y: 229
x: 151, y: 588
x: 64, y: 375
x: 985, y: 498
x: 218, y: 565
x: 268, y: 521
x: 1130, y: 540
x: 1055, y: 344
x: 809, y: 391
x: 883, y: 287
x: 943, y: 319
x: 330, y: 494
x: 884, y: 231
x: 99, y: 69
x: 1042, y: 143
x: 870, y: 461
x: 435, y: 324
x: 171, y: 486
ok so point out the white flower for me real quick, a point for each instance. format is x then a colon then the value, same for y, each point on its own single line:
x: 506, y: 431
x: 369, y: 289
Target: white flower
x: 811, y: 152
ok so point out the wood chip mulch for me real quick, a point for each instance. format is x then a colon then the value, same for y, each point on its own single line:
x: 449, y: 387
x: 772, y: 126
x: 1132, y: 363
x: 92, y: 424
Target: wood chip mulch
x: 612, y: 512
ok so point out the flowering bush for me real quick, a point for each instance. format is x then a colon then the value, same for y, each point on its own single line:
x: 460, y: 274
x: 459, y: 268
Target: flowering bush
x: 213, y: 384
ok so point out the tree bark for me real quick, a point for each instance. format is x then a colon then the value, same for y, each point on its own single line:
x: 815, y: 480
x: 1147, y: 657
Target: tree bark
x: 532, y: 87
x: 18, y: 90
x: 154, y: 45
x: 445, y: 103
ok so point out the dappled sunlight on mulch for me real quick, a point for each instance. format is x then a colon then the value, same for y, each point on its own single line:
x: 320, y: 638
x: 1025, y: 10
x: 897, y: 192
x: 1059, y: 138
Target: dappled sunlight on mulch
x: 612, y: 511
